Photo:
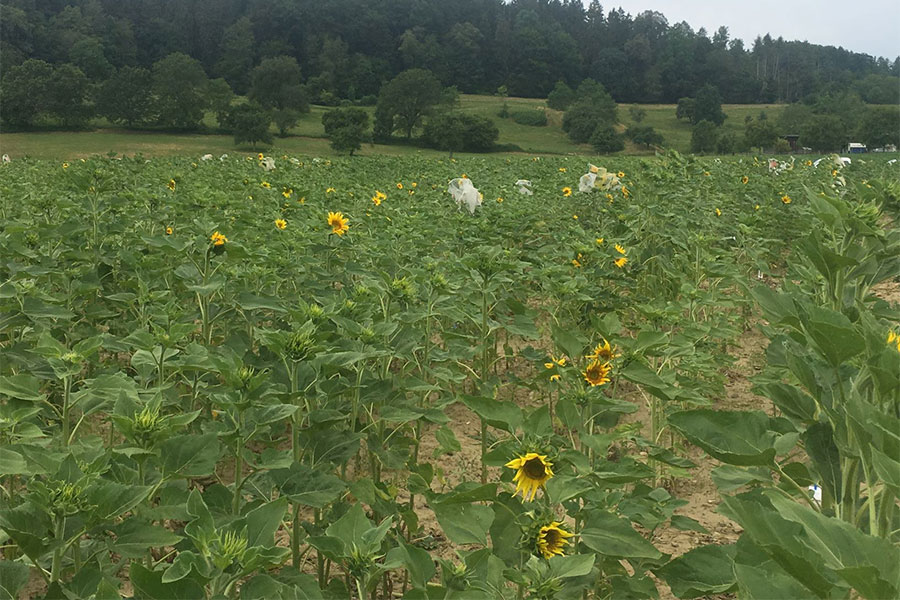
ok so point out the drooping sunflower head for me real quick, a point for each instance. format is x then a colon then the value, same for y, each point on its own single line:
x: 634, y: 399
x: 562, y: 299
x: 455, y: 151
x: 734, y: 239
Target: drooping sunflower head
x: 338, y: 223
x: 552, y: 540
x: 532, y: 472
x: 597, y: 373
x: 620, y: 262
x: 620, y: 249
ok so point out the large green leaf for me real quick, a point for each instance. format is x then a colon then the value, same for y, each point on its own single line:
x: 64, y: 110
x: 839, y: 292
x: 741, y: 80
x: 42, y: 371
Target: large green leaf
x: 263, y: 521
x: 870, y: 564
x: 190, y: 455
x: 782, y: 540
x: 700, y: 572
x: 13, y: 463
x: 761, y: 578
x: 834, y: 335
x: 734, y: 437
x: 417, y: 561
x: 307, y: 486
x: 464, y: 523
x: 614, y: 536
x: 148, y: 585
x: 22, y: 387
x: 13, y: 577
x: 349, y: 529
x: 496, y: 413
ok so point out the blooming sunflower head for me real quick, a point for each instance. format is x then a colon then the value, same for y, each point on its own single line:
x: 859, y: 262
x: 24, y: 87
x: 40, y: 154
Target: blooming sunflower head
x: 620, y: 249
x: 603, y: 352
x: 260, y: 156
x: 532, y: 472
x: 280, y: 223
x: 786, y: 199
x: 552, y: 539
x: 745, y: 179
x: 620, y: 262
x: 376, y: 200
x: 287, y: 192
x: 330, y: 190
x: 620, y: 174
x: 171, y: 185
x: 399, y: 186
x: 266, y: 184
x: 718, y: 212
x: 338, y: 223
x: 65, y: 165
x: 567, y: 191
x: 625, y: 192
x: 599, y: 241
x: 597, y: 373
x: 218, y: 239
x: 169, y: 231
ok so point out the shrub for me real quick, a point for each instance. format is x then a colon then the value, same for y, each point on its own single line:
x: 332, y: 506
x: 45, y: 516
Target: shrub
x: 561, y: 96
x: 645, y: 135
x: 533, y: 118
x: 249, y: 123
x: 605, y: 140
x: 704, y: 137
x: 346, y: 128
x: 453, y: 131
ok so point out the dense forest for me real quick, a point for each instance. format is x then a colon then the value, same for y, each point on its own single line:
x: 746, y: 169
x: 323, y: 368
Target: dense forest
x: 350, y: 48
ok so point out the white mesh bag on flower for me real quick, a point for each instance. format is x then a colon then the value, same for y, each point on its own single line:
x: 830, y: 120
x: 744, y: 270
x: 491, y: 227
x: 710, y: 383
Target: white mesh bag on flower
x: 465, y: 193
x: 524, y: 187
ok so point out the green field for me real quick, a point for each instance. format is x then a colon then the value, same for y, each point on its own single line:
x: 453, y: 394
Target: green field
x: 308, y: 137
x: 325, y: 379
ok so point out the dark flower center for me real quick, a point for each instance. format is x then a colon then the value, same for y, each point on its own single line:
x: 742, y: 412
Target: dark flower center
x: 551, y: 536
x: 534, y: 468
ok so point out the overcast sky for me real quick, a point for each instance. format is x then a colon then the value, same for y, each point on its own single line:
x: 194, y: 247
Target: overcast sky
x: 868, y: 26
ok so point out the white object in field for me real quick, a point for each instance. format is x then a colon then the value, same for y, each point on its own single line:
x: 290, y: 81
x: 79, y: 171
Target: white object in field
x: 465, y: 193
x: 524, y: 187
x: 6, y: 158
x: 586, y: 182
x: 816, y: 493
x: 206, y: 157
x: 295, y: 161
x: 267, y: 163
x: 223, y: 157
x: 890, y: 162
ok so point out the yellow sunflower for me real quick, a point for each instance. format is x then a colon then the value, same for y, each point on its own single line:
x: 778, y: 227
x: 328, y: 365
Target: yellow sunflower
x: 745, y: 179
x: 552, y: 539
x: 338, y: 223
x: 280, y: 223
x: 597, y: 373
x: 376, y: 199
x: 603, y: 352
x: 287, y: 192
x: 533, y: 471
x: 567, y: 191
x: 171, y: 185
x: 620, y: 262
x: 169, y: 231
x: 786, y: 199
x: 620, y: 174
x: 620, y: 250
x: 218, y: 239
x: 599, y: 241
x: 561, y: 361
x: 718, y: 213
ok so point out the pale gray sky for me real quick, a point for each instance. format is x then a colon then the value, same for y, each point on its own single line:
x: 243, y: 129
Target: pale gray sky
x: 868, y: 26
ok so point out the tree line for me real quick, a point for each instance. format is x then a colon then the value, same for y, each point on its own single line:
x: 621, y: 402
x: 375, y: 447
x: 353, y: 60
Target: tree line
x: 347, y: 49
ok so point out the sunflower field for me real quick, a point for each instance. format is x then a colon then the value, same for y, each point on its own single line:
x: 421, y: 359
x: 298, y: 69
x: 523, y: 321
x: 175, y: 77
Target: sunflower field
x: 263, y: 377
